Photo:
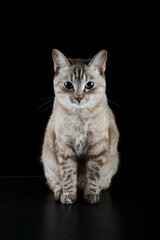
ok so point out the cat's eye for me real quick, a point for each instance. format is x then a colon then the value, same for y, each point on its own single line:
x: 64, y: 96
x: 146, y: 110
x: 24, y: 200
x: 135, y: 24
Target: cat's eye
x: 89, y: 85
x: 68, y: 85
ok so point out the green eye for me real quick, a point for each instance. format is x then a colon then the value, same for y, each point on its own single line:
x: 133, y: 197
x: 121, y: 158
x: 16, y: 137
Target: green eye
x: 68, y: 85
x: 89, y: 85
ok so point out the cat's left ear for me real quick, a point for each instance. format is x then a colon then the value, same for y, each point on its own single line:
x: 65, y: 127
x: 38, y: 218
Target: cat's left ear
x: 99, y: 61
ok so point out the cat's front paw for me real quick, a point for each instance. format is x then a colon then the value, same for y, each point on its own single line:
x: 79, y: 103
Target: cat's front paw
x: 68, y: 198
x: 92, y: 198
x: 57, y: 194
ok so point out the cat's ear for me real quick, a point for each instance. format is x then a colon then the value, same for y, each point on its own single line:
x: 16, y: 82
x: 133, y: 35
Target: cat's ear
x: 99, y: 61
x: 59, y: 60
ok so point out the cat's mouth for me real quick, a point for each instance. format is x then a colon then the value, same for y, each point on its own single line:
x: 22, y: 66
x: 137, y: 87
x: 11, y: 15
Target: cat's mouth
x: 79, y: 104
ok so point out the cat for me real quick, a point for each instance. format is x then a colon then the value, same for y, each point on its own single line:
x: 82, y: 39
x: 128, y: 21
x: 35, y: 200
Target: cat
x: 81, y: 138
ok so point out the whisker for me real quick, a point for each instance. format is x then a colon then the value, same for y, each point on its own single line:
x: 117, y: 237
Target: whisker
x: 44, y: 105
x: 46, y: 108
x: 108, y: 101
x: 46, y: 98
x: 116, y: 105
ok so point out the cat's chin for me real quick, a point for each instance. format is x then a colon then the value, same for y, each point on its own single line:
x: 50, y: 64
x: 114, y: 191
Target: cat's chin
x: 80, y: 105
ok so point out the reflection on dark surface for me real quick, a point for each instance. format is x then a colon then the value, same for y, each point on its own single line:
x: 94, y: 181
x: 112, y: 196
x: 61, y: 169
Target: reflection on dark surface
x: 126, y: 211
x: 80, y: 221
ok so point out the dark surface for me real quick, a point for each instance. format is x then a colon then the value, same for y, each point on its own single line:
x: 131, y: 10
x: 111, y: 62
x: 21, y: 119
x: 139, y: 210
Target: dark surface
x: 128, y: 210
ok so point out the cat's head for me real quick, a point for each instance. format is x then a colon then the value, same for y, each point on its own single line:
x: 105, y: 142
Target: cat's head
x: 79, y: 83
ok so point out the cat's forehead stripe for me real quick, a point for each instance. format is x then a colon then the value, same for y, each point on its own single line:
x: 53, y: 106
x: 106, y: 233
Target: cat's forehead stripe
x: 78, y: 73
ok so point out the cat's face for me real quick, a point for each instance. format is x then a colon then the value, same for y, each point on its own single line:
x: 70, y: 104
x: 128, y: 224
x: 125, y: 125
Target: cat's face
x: 79, y: 83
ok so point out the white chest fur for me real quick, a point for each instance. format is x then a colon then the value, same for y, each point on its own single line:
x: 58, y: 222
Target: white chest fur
x: 80, y: 128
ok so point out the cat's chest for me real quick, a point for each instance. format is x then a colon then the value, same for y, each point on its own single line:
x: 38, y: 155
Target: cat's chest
x: 80, y: 138
x: 78, y: 131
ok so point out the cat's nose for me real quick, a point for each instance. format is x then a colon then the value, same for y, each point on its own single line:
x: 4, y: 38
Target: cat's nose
x: 78, y: 98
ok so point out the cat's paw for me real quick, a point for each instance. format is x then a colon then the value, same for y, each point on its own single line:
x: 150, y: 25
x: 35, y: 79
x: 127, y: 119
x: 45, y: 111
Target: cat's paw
x: 57, y: 194
x: 68, y: 198
x: 92, y: 198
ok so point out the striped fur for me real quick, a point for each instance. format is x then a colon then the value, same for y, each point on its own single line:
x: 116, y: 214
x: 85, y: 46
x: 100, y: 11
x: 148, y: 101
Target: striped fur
x: 80, y: 143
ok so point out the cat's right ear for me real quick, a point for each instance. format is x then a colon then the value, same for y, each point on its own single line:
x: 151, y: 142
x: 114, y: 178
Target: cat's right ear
x: 59, y: 60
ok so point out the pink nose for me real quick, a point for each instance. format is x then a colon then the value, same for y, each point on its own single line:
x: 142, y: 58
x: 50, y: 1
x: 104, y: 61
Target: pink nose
x: 78, y: 98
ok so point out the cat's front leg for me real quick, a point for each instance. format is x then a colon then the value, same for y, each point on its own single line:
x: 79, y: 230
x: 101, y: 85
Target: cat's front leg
x: 93, y: 166
x: 68, y: 170
x: 92, y: 192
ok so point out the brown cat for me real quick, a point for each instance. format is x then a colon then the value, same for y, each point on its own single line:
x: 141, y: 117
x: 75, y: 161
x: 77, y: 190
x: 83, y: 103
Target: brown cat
x: 80, y: 144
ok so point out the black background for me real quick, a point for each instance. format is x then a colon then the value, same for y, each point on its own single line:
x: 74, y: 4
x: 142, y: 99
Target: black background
x: 31, y: 31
